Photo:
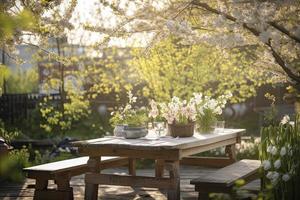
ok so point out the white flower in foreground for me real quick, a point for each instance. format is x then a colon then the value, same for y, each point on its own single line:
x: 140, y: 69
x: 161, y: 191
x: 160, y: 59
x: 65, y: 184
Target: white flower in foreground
x: 275, y: 177
x: 285, y: 119
x: 269, y: 149
x: 274, y: 151
x: 286, y: 177
x: 277, y: 164
x: 266, y: 164
x: 269, y: 175
x: 283, y: 151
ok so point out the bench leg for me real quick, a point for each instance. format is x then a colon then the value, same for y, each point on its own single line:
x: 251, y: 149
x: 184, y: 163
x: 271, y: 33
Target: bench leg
x: 159, y: 168
x: 132, y: 166
x: 203, y: 196
x: 64, y: 189
x: 40, y: 185
x: 91, y: 190
x: 173, y: 167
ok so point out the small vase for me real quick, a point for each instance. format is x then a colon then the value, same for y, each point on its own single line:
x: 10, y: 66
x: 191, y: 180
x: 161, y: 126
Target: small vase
x: 181, y: 130
x: 206, y: 121
x: 119, y: 130
x: 206, y: 128
x: 134, y: 132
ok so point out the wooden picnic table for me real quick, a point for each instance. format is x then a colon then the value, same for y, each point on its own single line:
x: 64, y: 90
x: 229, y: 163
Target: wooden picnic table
x: 167, y: 152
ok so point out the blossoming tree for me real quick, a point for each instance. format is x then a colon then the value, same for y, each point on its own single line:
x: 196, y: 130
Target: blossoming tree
x: 270, y: 26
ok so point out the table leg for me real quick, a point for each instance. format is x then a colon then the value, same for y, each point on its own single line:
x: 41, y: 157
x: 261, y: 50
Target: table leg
x: 173, y: 167
x: 91, y: 190
x: 231, y: 152
x: 159, y: 168
x: 132, y: 166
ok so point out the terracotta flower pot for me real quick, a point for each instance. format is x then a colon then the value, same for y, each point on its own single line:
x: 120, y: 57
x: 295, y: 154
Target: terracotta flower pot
x: 181, y: 130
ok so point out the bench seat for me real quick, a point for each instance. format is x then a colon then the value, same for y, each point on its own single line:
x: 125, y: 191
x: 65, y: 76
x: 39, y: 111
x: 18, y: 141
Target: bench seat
x: 61, y: 172
x: 222, y: 180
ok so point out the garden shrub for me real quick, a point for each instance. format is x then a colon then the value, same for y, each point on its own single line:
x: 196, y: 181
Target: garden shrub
x: 12, y: 165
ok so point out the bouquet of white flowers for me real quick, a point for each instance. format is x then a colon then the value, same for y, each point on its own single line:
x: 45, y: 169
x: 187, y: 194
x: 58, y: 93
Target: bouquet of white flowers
x: 200, y: 109
x: 208, y: 109
x: 179, y: 114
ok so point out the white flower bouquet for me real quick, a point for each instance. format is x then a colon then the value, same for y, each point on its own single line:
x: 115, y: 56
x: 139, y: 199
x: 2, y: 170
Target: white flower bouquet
x: 199, y: 109
x: 179, y: 114
x: 208, y: 109
x: 130, y: 121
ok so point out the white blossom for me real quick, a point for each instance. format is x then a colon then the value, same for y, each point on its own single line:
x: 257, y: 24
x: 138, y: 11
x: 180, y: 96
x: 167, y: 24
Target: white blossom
x: 197, y: 98
x: 270, y: 175
x: 286, y: 177
x: 269, y: 148
x: 257, y: 141
x: 277, y: 164
x: 275, y: 177
x: 154, y: 110
x: 285, y: 119
x: 283, y: 151
x: 274, y: 151
x: 266, y: 164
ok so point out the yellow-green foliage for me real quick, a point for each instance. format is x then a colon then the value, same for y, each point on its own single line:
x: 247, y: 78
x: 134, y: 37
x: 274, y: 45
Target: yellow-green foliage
x: 58, y: 120
x: 110, y: 74
x: 12, y: 165
x: 4, y: 73
x: 23, y: 81
x: 171, y: 69
x: 9, y: 24
x: 19, y: 81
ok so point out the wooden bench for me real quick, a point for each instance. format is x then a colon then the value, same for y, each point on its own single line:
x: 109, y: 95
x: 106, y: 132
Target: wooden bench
x: 62, y: 171
x: 224, y: 179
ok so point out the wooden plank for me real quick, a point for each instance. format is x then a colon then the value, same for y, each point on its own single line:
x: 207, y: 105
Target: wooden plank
x: 216, y: 162
x: 133, y: 181
x: 163, y: 143
x: 72, y: 164
x: 172, y: 154
x: 226, y: 177
x: 202, y: 148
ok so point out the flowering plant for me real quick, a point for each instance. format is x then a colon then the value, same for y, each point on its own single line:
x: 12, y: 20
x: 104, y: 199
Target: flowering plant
x: 208, y: 108
x: 175, y: 112
x: 129, y: 115
x: 280, y: 151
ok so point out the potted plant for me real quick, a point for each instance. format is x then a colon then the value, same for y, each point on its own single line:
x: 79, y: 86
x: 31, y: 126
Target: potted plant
x: 130, y: 121
x: 180, y: 116
x: 208, y: 109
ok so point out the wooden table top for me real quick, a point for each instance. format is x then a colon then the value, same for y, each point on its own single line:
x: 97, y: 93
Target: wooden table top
x: 162, y: 143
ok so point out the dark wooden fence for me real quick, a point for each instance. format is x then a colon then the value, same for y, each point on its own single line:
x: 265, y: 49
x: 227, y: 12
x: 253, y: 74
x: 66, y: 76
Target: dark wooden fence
x: 14, y: 107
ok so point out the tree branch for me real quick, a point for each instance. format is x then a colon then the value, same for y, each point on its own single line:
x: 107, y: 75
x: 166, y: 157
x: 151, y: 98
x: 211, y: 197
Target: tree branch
x: 284, y: 31
x: 255, y: 32
x: 282, y: 64
x: 227, y: 16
